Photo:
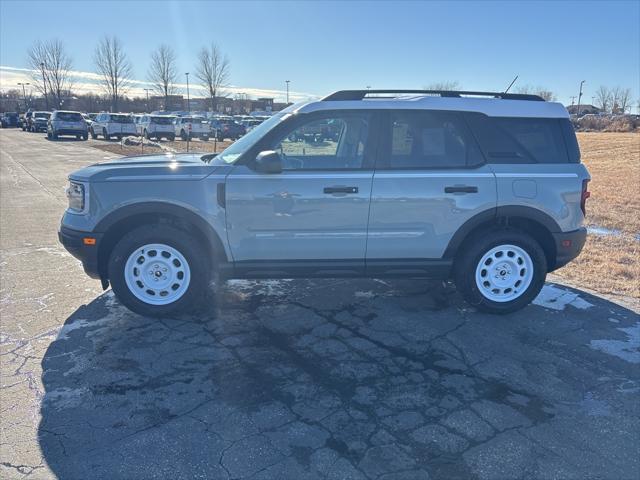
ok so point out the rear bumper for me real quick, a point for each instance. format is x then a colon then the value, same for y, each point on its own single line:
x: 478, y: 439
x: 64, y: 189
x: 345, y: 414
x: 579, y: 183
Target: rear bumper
x: 568, y: 246
x: 73, y: 242
x: 69, y: 131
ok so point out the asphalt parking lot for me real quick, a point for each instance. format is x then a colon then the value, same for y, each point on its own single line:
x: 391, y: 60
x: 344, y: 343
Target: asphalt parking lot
x: 295, y: 379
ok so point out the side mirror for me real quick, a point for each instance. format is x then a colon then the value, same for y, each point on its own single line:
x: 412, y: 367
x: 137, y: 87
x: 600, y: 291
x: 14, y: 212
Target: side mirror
x: 269, y: 161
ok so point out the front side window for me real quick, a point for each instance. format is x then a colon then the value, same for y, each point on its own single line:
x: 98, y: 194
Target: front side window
x: 429, y: 139
x: 334, y: 143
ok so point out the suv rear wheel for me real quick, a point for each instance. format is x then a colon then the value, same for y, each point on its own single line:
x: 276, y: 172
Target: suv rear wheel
x: 157, y: 270
x: 500, y: 272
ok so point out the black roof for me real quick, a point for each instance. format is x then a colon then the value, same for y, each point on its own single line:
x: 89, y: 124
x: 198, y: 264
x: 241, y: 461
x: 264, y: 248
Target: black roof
x: 361, y: 94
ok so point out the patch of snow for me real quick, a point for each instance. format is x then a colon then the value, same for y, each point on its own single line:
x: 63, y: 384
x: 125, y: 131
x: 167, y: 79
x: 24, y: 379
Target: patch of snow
x: 367, y: 294
x: 259, y: 287
x: 602, y: 231
x: 557, y: 298
x: 628, y: 349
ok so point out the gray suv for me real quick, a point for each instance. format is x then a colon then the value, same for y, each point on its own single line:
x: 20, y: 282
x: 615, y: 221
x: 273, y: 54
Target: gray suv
x: 484, y: 188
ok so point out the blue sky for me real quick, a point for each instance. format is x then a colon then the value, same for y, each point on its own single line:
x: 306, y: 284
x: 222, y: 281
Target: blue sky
x: 326, y: 46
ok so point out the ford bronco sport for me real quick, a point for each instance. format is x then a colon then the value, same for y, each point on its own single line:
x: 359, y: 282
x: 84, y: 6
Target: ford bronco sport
x: 484, y: 188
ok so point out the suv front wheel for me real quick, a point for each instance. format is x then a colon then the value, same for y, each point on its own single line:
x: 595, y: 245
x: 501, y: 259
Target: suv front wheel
x: 157, y: 270
x: 500, y: 272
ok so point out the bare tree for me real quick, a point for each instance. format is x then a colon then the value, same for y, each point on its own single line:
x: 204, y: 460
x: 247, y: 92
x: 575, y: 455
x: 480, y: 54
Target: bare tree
x: 114, y: 67
x: 162, y: 71
x: 603, y: 99
x: 446, y: 85
x: 543, y: 92
x: 51, y: 67
x: 212, y: 70
x: 620, y: 99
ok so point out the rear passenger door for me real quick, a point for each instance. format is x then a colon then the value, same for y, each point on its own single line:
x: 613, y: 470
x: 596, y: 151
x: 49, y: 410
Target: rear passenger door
x: 537, y: 166
x: 429, y: 179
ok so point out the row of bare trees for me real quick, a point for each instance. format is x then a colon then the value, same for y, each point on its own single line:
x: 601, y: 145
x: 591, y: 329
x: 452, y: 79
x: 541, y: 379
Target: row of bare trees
x: 212, y: 71
x: 613, y: 100
x: 52, y: 76
x: 450, y: 85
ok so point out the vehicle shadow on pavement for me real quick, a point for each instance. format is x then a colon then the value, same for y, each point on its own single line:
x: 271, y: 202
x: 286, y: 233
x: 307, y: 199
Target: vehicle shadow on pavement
x: 344, y: 379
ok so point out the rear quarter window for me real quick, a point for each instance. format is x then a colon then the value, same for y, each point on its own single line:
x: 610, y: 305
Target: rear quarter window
x: 520, y: 140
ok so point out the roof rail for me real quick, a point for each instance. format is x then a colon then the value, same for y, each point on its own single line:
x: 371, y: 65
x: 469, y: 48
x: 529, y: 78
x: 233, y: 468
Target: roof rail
x: 361, y: 94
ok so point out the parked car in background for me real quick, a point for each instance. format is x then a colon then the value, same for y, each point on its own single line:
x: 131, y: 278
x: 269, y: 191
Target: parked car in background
x: 39, y: 121
x: 156, y: 126
x: 192, y: 127
x: 251, y: 123
x: 110, y: 125
x: 65, y: 122
x: 10, y: 120
x: 489, y: 192
x: 227, y: 128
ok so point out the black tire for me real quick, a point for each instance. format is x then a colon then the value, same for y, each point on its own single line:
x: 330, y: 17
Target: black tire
x: 146, y: 135
x: 204, y: 139
x: 470, y: 254
x: 85, y: 136
x: 54, y: 136
x: 105, y: 134
x: 186, y: 244
x: 171, y: 138
x: 78, y: 137
x: 183, y: 135
x: 93, y: 134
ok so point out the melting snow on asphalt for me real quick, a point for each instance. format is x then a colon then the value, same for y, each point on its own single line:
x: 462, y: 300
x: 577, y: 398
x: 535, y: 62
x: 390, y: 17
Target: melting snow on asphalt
x: 557, y: 298
x: 627, y: 349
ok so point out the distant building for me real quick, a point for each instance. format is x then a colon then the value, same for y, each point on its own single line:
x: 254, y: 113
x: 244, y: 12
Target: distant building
x: 173, y: 102
x: 584, y: 109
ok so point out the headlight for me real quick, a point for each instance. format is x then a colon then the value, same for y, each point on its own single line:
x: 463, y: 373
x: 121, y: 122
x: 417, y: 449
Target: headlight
x: 76, y: 196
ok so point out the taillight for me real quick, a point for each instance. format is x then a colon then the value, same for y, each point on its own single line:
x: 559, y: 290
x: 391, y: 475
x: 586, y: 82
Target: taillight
x: 583, y: 198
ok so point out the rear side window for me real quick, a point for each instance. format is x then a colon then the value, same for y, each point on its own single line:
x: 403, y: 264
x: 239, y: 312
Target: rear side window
x: 430, y: 139
x: 161, y: 120
x: 519, y: 140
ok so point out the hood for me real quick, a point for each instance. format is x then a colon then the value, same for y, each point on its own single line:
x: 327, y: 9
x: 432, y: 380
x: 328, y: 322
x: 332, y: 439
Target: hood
x: 187, y: 166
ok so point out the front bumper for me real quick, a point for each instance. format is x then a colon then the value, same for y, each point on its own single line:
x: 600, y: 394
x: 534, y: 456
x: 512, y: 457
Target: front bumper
x: 73, y: 241
x: 568, y: 246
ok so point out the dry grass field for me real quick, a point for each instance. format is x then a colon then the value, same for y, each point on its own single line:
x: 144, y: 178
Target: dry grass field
x: 610, y: 263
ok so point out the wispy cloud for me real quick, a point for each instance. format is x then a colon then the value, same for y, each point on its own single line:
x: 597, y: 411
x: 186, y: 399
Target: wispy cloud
x: 89, y: 82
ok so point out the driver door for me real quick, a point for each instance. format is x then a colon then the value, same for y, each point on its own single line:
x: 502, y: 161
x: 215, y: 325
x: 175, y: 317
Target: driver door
x: 317, y: 208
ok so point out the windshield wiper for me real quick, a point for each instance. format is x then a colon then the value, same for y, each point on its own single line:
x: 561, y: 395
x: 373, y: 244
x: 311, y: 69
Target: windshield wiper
x: 208, y: 157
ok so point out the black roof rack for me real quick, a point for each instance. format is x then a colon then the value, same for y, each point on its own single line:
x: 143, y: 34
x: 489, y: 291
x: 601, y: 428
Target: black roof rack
x: 361, y: 94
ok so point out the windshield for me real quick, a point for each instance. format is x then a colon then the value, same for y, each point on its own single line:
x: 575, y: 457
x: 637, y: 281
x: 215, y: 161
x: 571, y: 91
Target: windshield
x: 162, y: 120
x: 44, y: 115
x: 237, y: 148
x: 69, y: 116
x: 121, y: 119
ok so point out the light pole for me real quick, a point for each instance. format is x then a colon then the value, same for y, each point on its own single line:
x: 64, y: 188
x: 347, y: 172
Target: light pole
x: 287, y: 82
x: 44, y: 85
x: 24, y: 95
x: 188, y: 100
x: 147, y: 90
x: 579, y: 97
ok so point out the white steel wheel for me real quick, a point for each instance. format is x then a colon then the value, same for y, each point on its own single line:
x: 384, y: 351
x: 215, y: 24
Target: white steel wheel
x: 157, y: 274
x: 504, y: 273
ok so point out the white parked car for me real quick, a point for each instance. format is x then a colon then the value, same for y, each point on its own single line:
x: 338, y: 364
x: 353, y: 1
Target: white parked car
x: 192, y: 127
x: 156, y: 126
x: 112, y: 125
